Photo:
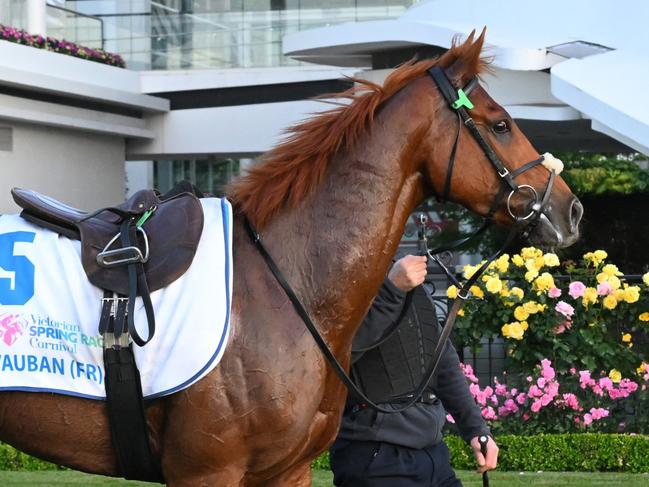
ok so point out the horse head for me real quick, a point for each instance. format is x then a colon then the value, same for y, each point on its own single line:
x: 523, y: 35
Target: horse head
x: 489, y: 166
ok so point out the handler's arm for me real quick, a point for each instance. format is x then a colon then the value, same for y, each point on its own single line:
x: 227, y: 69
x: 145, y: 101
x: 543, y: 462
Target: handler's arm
x: 452, y: 389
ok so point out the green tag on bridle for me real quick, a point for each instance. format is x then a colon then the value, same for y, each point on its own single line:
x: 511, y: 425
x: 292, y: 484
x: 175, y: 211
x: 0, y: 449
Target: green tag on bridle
x: 462, y: 101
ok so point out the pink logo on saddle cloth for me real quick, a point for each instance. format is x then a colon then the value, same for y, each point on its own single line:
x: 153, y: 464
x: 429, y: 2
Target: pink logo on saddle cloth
x: 11, y: 326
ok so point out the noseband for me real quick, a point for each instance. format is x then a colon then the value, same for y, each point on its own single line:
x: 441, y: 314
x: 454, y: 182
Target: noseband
x: 459, y: 102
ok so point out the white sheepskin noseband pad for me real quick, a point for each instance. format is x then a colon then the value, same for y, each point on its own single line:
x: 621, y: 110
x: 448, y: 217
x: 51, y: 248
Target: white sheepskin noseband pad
x: 552, y: 163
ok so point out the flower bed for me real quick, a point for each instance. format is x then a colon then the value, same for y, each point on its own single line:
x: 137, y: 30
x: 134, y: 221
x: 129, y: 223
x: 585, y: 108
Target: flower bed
x: 584, y: 315
x: 576, y: 342
x: 19, y: 36
x: 579, y: 401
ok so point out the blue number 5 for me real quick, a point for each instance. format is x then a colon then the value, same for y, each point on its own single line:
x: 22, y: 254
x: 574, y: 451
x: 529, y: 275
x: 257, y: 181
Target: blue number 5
x: 21, y: 266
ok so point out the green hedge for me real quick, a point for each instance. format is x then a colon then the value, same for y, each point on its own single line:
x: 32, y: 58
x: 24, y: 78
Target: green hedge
x: 12, y: 459
x: 582, y: 452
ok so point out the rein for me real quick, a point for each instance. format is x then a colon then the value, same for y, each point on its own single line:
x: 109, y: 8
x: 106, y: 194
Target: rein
x: 459, y: 102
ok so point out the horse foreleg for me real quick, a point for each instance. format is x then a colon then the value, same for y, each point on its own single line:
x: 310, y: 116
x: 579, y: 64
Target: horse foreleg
x: 297, y: 476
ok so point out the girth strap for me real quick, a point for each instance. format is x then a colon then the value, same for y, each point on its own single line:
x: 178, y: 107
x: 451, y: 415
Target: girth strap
x: 127, y: 419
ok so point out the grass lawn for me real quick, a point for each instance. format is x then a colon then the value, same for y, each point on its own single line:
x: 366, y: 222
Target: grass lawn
x: 323, y: 479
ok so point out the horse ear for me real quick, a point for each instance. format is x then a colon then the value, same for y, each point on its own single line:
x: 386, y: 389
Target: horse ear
x: 467, y: 63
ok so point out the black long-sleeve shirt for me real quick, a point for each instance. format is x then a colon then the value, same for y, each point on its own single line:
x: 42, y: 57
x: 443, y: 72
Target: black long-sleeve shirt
x: 420, y: 425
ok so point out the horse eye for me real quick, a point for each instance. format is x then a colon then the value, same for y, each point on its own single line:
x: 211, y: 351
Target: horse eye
x: 501, y: 127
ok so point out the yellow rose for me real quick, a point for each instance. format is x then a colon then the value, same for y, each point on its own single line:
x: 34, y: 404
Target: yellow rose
x: 551, y: 260
x: 532, y: 307
x: 504, y: 292
x: 590, y: 296
x: 610, y: 302
x: 595, y: 257
x: 451, y: 292
x: 615, y: 375
x: 518, y: 292
x: 611, y: 270
x: 520, y: 262
x: 632, y: 294
x: 644, y: 316
x: 642, y: 369
x: 503, y: 263
x: 477, y: 292
x: 460, y: 313
x: 528, y: 253
x: 600, y: 255
x: 524, y: 325
x: 614, y: 282
x: 533, y: 265
x: 469, y: 270
x: 626, y: 337
x: 645, y: 278
x: 494, y: 285
x: 530, y: 275
x: 544, y: 282
x: 619, y: 294
x: 513, y: 330
x: 520, y: 313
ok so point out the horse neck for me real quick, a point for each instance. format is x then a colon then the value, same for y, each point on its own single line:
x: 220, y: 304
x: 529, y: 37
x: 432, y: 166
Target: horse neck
x: 336, y: 246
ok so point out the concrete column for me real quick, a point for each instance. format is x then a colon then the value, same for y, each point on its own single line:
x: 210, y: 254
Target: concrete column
x: 139, y: 175
x: 37, y: 17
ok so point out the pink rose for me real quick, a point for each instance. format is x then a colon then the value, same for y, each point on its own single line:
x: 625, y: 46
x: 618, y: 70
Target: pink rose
x: 598, y: 413
x: 576, y: 289
x: 560, y: 328
x: 554, y: 292
x: 565, y: 309
x: 604, y: 288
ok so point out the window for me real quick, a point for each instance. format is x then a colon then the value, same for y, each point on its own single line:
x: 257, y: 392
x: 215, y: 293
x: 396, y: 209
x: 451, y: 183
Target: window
x: 210, y: 174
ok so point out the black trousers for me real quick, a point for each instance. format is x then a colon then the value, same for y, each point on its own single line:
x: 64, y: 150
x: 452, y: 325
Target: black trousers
x: 376, y: 464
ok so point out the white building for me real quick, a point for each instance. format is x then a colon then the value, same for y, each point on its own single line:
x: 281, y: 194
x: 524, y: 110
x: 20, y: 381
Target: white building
x: 209, y: 85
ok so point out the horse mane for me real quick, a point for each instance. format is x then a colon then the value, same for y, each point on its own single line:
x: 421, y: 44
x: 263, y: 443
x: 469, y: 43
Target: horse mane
x: 293, y: 169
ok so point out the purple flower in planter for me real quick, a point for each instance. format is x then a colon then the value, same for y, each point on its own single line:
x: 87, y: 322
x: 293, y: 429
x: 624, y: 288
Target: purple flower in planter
x: 61, y: 46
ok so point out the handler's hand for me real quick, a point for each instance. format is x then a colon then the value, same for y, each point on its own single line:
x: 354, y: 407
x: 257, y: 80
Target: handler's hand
x: 408, y: 272
x: 492, y: 454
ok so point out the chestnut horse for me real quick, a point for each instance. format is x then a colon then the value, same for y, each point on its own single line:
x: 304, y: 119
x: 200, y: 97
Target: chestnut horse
x: 331, y: 203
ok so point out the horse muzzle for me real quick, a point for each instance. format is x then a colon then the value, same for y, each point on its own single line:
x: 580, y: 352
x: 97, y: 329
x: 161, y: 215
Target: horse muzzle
x: 556, y: 228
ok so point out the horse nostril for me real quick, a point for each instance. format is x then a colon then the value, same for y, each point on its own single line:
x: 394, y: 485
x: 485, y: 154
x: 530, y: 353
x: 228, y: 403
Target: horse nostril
x: 576, y: 212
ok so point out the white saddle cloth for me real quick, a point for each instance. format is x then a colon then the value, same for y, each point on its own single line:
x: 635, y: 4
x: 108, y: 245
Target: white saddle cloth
x: 49, y: 313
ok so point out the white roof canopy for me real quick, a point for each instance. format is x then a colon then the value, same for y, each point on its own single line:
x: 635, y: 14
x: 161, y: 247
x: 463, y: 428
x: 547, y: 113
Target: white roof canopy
x: 595, y: 51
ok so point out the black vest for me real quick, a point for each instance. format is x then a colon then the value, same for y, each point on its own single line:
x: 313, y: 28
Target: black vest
x: 392, y: 370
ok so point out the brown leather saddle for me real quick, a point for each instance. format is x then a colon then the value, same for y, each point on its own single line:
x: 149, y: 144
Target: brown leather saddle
x: 145, y: 243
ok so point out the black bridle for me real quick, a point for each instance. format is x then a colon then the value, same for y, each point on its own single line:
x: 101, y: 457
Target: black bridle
x: 459, y: 102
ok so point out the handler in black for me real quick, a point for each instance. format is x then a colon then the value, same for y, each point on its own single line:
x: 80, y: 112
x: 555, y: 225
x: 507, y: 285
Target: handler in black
x: 375, y: 449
